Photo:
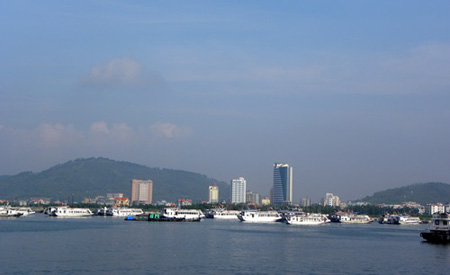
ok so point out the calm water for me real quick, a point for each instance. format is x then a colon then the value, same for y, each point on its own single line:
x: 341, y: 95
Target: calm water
x: 106, y: 245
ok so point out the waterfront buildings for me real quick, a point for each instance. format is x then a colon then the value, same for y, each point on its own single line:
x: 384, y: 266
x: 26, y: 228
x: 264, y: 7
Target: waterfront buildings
x: 121, y: 202
x: 265, y: 201
x: 110, y: 197
x: 184, y: 202
x: 213, y: 194
x: 306, y: 202
x: 282, y: 183
x: 331, y: 200
x: 141, y: 191
x: 251, y: 197
x: 435, y: 208
x: 238, y: 190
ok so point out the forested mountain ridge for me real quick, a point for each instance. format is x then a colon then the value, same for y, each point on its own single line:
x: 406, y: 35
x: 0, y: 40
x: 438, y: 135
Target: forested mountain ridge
x: 97, y: 176
x: 422, y: 193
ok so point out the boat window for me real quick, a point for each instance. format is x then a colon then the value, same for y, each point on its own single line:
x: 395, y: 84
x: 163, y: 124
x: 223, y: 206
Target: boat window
x: 436, y: 222
x: 444, y: 222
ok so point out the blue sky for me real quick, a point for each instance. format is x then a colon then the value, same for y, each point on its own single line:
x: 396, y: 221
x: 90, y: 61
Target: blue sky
x: 353, y: 94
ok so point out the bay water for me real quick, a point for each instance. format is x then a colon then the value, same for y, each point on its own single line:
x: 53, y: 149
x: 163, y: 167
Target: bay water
x: 40, y: 244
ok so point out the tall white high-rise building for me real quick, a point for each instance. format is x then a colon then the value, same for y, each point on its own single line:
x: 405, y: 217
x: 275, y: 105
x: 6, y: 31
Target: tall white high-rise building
x: 238, y: 190
x: 282, y: 183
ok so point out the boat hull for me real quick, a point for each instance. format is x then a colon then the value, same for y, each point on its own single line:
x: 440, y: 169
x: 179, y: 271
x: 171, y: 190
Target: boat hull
x: 436, y: 237
x: 159, y: 218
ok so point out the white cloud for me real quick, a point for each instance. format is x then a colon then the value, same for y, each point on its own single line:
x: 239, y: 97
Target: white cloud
x: 169, y: 130
x: 100, y: 139
x: 118, y: 134
x: 120, y: 72
x: 55, y: 135
x: 100, y: 128
x: 123, y: 133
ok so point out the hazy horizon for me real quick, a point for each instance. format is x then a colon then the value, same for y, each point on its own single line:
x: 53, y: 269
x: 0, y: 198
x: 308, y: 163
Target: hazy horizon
x: 353, y: 95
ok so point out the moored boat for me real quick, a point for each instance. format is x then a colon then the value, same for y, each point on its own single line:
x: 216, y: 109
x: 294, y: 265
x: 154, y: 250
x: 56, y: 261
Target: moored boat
x: 439, y: 231
x: 257, y: 216
x: 49, y: 210
x: 9, y: 213
x: 355, y: 218
x: 101, y: 211
x: 25, y: 211
x: 409, y: 220
x: 71, y: 212
x: 383, y: 219
x: 169, y: 215
x: 306, y: 219
x: 223, y: 214
x: 123, y: 212
x: 402, y: 219
x: 187, y: 214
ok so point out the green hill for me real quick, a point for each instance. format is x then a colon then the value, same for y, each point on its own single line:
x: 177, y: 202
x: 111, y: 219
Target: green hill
x: 98, y: 176
x: 422, y: 193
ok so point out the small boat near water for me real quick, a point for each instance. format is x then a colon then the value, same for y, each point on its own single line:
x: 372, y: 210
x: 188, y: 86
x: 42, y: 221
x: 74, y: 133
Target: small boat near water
x: 306, y: 219
x: 9, y: 213
x: 169, y: 215
x: 157, y: 217
x: 400, y: 219
x: 409, y: 220
x: 187, y: 214
x: 70, y: 212
x: 25, y: 211
x: 223, y: 214
x: 439, y: 231
x: 123, y: 212
x: 257, y: 216
x: 350, y: 218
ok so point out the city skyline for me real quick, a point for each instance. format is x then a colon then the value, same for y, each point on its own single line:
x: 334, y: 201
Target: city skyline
x: 354, y: 95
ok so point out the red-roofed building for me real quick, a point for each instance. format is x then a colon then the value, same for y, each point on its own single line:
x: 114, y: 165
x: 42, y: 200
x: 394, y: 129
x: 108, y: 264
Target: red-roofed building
x: 121, y: 202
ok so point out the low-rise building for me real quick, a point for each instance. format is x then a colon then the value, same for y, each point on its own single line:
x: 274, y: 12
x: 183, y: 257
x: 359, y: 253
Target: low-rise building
x: 305, y: 202
x: 184, y: 202
x: 265, y: 201
x: 331, y: 200
x: 252, y: 198
x: 121, y: 202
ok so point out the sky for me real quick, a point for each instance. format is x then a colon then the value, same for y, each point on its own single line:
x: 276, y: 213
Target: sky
x: 354, y: 95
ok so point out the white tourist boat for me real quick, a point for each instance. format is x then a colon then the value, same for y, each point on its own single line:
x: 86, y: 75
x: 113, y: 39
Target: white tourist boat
x: 6, y: 212
x: 226, y: 214
x: 259, y: 216
x: 439, y: 231
x: 354, y: 218
x: 402, y: 219
x: 409, y: 220
x: 123, y: 212
x: 307, y: 219
x: 187, y: 214
x: 71, y: 212
x: 25, y: 211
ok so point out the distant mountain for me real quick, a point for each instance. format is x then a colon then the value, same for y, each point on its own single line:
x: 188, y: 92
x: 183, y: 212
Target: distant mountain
x: 422, y: 193
x: 98, y: 176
